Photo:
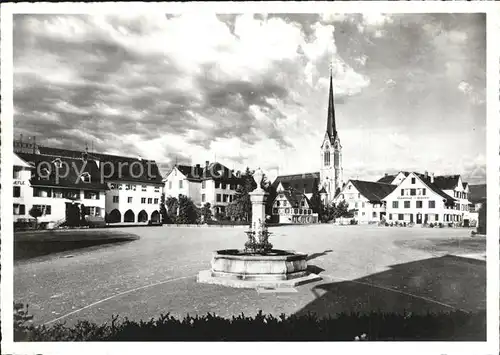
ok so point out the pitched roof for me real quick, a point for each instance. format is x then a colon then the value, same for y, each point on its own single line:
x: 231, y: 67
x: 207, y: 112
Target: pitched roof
x: 67, y: 176
x: 214, y: 171
x: 373, y: 191
x: 387, y: 179
x: 446, y: 182
x: 437, y: 189
x: 302, y: 182
x: 294, y: 197
x: 115, y: 167
x: 477, y: 193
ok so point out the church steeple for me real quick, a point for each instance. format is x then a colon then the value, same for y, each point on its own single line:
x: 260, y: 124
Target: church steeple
x: 331, y: 127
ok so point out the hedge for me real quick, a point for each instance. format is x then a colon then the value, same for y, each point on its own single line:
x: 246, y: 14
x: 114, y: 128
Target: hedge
x: 308, y: 327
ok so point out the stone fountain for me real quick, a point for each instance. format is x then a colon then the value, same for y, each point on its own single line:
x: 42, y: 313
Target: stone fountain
x: 258, y: 265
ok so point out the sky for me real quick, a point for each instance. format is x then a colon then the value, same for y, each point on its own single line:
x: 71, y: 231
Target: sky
x: 252, y: 89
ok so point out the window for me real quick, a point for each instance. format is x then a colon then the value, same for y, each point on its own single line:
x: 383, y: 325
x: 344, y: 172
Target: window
x: 402, y: 192
x: 413, y: 180
x: 85, y: 177
x: 423, y: 191
x: 157, y: 188
x: 390, y: 216
x: 128, y: 187
x: 203, y: 197
x: 275, y: 211
x: 277, y: 203
x: 432, y: 204
x: 203, y: 184
x: 217, y: 184
x: 224, y: 198
x: 395, y: 204
x: 287, y: 210
x: 326, y: 158
x: 296, y: 211
x: 91, y: 195
x: 355, y: 205
x: 419, y: 204
x: 22, y: 209
x: 48, y: 210
x: 309, y: 211
x: 116, y: 199
x: 129, y: 199
x: 413, y: 192
x: 230, y: 198
x: 285, y: 203
x: 217, y: 198
x: 302, y: 203
x: 16, y: 174
x: 144, y: 188
x: 16, y: 209
x: 155, y: 201
x: 374, y: 214
x: 17, y: 191
x: 362, y: 205
x: 224, y: 186
x: 407, y: 204
x: 40, y: 192
x: 180, y: 184
x: 143, y: 199
x: 150, y: 200
x: 400, y: 216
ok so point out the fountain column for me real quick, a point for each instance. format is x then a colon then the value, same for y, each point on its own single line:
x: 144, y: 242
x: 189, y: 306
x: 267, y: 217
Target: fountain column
x: 258, y: 198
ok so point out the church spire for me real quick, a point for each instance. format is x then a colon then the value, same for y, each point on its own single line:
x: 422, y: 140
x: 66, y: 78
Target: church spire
x: 331, y: 127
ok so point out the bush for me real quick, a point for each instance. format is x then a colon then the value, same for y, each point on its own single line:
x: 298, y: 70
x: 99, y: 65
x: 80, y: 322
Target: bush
x: 431, y: 225
x: 353, y: 222
x: 454, y: 325
x: 441, y: 225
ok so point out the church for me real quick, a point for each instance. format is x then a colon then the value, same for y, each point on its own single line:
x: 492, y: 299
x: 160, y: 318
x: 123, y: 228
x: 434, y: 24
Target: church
x: 330, y: 176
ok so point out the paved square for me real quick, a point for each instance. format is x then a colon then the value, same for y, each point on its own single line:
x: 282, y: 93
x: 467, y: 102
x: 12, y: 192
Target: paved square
x: 363, y: 268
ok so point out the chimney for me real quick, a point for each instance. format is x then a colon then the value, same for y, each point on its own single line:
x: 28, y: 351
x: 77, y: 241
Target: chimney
x: 197, y: 170
x: 426, y: 174
x: 34, y: 144
x: 386, y: 174
x: 207, y: 163
x: 432, y: 178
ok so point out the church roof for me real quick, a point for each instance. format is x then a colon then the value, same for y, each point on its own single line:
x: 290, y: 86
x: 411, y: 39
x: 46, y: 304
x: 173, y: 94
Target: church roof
x: 302, y: 182
x: 373, y: 191
x: 331, y: 127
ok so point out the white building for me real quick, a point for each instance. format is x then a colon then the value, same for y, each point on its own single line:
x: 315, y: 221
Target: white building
x: 423, y: 198
x: 49, y: 183
x: 292, y: 206
x: 214, y: 183
x: 365, y: 199
x: 134, y: 185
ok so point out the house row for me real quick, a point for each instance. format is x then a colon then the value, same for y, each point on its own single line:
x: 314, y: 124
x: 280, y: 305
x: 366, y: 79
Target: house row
x: 117, y: 188
x: 410, y: 197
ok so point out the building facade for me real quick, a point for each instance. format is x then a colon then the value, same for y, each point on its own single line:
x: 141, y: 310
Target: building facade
x: 214, y: 183
x: 50, y: 183
x: 292, y: 206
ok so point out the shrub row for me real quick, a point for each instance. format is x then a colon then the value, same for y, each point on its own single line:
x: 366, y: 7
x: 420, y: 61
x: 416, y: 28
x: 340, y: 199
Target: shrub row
x: 344, y: 327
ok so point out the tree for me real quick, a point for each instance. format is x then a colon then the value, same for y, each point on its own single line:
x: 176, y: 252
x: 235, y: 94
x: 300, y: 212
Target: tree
x: 241, y: 207
x: 163, y: 209
x: 481, y: 225
x: 172, y: 205
x: 188, y: 212
x: 316, y: 203
x: 206, y: 212
x: 340, y: 210
x: 35, y: 213
x: 82, y: 214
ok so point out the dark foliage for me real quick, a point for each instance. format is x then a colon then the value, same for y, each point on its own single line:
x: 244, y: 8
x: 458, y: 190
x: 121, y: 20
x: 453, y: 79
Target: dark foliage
x: 344, y: 327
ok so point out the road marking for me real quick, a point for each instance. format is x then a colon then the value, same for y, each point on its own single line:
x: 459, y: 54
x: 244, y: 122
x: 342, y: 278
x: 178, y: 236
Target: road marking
x: 117, y: 295
x: 397, y: 291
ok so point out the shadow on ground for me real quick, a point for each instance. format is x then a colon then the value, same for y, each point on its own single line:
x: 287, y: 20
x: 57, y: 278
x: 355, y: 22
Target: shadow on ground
x: 317, y: 255
x: 441, y: 284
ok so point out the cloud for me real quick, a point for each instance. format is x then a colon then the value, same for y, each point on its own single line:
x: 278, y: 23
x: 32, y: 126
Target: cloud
x: 252, y: 89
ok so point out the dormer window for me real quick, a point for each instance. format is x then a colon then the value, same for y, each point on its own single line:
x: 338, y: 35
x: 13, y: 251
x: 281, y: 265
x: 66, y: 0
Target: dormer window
x: 44, y: 173
x: 58, y: 163
x: 85, y: 177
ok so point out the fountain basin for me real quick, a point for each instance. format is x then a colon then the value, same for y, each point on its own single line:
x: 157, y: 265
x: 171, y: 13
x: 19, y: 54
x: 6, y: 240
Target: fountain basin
x: 274, y: 269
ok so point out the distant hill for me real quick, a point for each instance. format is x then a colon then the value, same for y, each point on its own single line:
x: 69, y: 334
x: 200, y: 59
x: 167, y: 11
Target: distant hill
x: 477, y: 192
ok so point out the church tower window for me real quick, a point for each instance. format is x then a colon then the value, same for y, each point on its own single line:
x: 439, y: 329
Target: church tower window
x: 326, y: 158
